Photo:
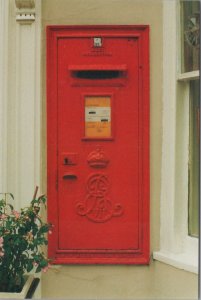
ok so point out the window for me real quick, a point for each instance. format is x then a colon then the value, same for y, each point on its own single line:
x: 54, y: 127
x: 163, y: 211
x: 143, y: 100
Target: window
x: 189, y: 66
x: 194, y: 147
x: 189, y: 16
x: 180, y: 155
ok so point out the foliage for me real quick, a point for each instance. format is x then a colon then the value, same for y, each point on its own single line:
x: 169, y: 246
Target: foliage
x: 22, y: 235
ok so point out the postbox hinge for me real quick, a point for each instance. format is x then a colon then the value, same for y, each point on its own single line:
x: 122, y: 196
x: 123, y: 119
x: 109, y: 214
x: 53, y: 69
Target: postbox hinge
x: 56, y: 185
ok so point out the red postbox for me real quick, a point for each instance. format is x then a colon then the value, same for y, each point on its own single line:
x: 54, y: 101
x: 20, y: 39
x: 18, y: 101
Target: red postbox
x: 98, y: 144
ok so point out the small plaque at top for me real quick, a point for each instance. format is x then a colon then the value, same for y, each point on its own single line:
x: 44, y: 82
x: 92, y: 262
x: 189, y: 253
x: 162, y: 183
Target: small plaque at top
x: 97, y: 42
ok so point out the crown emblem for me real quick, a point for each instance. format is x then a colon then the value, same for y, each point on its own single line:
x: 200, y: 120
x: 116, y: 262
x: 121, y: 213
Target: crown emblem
x: 97, y: 159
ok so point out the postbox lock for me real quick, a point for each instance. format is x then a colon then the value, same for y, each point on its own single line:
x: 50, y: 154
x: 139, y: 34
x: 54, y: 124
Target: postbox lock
x: 69, y: 159
x: 97, y: 42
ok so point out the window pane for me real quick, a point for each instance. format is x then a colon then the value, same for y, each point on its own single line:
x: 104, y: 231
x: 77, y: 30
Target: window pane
x: 190, y: 36
x: 194, y: 145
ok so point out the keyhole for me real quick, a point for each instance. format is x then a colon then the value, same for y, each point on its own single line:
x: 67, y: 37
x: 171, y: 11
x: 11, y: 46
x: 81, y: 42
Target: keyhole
x: 65, y: 161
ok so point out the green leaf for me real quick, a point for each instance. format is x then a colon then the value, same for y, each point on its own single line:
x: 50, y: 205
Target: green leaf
x: 38, y: 269
x: 2, y: 202
x: 29, y: 266
x: 11, y: 207
x: 11, y: 196
x: 43, y: 263
x: 44, y: 228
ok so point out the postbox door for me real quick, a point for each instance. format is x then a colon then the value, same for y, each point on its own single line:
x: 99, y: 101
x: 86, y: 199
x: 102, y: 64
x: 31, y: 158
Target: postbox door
x: 100, y: 151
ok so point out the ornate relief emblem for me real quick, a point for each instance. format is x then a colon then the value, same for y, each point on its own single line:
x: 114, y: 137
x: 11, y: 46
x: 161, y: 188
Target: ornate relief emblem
x: 97, y: 207
x: 97, y: 159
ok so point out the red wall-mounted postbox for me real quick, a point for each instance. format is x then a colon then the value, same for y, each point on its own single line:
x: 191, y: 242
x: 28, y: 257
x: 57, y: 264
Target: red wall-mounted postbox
x: 98, y: 144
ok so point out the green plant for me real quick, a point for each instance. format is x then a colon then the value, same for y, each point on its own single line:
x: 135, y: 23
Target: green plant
x: 22, y: 235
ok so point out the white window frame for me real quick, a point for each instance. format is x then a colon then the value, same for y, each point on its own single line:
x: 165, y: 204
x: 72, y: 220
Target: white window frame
x: 177, y: 248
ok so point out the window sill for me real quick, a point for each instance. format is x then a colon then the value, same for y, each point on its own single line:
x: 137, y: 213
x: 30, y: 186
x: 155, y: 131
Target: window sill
x: 182, y: 261
x: 188, y: 76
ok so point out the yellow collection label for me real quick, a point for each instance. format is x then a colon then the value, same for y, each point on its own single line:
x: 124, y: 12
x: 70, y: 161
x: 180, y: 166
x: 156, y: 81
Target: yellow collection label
x: 97, y: 116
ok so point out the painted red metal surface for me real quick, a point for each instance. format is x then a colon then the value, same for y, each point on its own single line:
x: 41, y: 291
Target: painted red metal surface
x: 98, y: 144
